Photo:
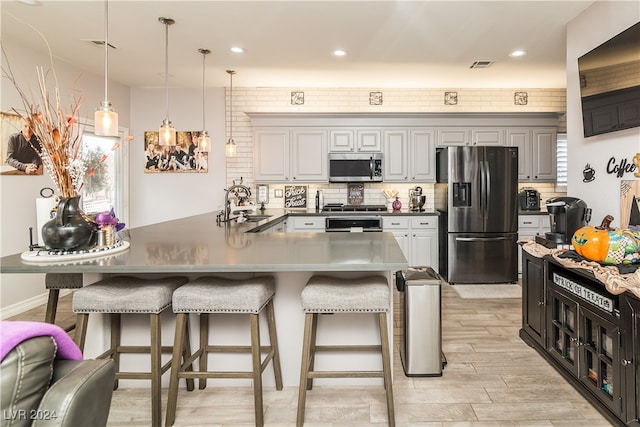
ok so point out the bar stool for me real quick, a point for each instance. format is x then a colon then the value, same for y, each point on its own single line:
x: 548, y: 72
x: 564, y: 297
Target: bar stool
x: 323, y: 294
x: 215, y: 295
x: 130, y: 295
x: 54, y: 282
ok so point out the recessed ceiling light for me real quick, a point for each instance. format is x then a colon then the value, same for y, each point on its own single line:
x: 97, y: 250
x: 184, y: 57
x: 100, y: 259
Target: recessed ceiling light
x: 236, y: 49
x: 339, y: 52
x: 518, y: 52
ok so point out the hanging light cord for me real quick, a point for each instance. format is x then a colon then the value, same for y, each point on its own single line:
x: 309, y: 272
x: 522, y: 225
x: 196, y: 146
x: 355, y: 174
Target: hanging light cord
x: 106, y: 48
x: 231, y: 73
x: 166, y: 67
x: 204, y: 55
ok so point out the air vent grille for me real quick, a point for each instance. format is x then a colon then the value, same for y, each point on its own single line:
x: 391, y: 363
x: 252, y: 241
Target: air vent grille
x: 99, y: 43
x: 481, y: 64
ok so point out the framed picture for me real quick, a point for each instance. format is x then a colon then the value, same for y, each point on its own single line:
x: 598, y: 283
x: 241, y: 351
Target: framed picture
x: 355, y: 193
x: 184, y: 157
x: 11, y: 124
x: 295, y: 196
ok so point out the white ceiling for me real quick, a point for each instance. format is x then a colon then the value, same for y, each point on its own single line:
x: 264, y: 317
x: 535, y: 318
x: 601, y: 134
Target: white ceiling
x: 427, y: 44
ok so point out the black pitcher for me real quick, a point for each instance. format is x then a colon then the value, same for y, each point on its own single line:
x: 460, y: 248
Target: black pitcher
x: 71, y: 229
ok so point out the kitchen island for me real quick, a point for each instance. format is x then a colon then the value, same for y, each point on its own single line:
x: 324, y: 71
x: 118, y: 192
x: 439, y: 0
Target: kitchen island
x: 197, y: 246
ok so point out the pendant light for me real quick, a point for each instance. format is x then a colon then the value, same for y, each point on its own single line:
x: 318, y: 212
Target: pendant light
x: 105, y: 119
x: 231, y: 143
x: 167, y: 133
x: 205, y: 140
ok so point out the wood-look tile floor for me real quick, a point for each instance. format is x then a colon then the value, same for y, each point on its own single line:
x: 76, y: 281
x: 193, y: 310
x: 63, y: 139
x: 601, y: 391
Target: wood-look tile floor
x: 492, y: 378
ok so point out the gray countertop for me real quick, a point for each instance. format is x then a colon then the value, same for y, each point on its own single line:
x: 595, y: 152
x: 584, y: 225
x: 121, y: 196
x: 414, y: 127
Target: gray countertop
x: 197, y: 244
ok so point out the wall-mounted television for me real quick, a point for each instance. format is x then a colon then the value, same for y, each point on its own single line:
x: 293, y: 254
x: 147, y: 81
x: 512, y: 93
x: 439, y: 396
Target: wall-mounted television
x: 610, y: 84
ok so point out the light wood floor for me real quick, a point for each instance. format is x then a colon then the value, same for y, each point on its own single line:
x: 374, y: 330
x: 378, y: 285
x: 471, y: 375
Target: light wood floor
x: 492, y: 379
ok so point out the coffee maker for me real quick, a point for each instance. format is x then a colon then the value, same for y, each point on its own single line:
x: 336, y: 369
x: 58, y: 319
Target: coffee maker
x: 566, y: 214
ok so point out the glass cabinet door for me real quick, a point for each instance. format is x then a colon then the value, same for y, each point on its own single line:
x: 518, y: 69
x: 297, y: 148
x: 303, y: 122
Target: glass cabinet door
x: 599, y: 358
x: 562, y: 333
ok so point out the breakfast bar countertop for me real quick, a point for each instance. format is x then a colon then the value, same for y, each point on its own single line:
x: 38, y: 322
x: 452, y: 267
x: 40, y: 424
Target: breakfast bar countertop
x: 198, y: 244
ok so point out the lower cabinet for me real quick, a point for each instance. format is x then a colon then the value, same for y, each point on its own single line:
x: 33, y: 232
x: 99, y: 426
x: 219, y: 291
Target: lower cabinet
x: 586, y: 333
x: 533, y: 297
x: 417, y: 237
x: 529, y: 226
x: 305, y: 224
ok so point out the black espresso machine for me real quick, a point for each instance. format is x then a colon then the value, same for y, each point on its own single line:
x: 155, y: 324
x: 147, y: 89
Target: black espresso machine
x: 566, y: 214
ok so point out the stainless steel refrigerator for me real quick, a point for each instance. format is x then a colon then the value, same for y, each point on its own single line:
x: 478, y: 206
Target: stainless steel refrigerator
x: 481, y: 214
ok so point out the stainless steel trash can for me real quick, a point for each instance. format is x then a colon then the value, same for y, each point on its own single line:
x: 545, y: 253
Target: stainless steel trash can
x: 421, y: 323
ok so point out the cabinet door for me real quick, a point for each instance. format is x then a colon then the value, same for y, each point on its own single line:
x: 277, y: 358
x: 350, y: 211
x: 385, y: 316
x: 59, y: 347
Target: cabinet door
x: 454, y: 136
x: 562, y: 329
x: 533, y: 294
x: 424, y: 249
x: 422, y: 159
x: 369, y: 140
x: 603, y: 119
x: 521, y: 138
x: 402, y: 237
x: 487, y: 136
x: 600, y: 359
x: 544, y: 154
x: 396, y: 157
x: 309, y: 155
x: 630, y: 362
x: 629, y: 114
x: 271, y: 154
x: 341, y: 140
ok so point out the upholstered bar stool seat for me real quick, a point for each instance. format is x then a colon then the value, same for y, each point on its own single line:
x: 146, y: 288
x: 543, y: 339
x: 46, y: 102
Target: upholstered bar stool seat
x: 130, y: 295
x: 324, y: 294
x: 216, y: 295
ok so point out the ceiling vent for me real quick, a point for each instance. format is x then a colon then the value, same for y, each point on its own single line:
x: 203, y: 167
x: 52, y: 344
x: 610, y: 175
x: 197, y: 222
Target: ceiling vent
x: 481, y: 64
x: 99, y: 43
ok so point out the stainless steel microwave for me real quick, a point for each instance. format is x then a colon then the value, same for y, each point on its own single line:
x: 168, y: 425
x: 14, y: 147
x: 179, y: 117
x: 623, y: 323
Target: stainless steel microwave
x: 355, y: 167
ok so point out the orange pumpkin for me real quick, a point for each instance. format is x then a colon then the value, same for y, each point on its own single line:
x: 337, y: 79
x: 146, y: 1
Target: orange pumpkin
x: 591, y: 242
x: 606, y: 245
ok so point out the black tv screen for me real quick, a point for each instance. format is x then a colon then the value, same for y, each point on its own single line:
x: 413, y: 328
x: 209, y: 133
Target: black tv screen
x: 610, y: 84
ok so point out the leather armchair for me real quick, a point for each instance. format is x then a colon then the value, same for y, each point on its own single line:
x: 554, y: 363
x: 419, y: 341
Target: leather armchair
x: 39, y: 390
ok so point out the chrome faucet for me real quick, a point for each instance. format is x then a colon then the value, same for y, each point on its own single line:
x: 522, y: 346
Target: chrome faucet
x: 227, y: 204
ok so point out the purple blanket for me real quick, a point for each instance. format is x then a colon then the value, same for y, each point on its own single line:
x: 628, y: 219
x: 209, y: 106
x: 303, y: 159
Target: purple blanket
x: 13, y: 333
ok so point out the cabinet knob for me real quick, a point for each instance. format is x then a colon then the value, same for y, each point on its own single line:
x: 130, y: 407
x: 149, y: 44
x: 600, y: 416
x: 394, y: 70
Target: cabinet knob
x: 626, y: 362
x: 294, y: 177
x: 540, y: 302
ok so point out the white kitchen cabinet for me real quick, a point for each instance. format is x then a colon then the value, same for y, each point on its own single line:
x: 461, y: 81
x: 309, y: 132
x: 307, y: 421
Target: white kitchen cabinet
x: 536, y: 152
x: 417, y: 237
x: 396, y: 158
x: 409, y: 155
x: 469, y: 136
x: 305, y: 224
x: 530, y: 226
x: 366, y: 140
x: 285, y: 154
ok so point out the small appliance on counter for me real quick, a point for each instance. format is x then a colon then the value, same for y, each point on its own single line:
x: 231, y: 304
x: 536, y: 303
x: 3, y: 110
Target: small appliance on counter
x: 416, y: 199
x: 566, y: 214
x: 529, y: 199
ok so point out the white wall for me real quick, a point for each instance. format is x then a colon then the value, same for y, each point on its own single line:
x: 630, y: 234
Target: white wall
x: 18, y: 193
x: 157, y: 197
x: 594, y: 26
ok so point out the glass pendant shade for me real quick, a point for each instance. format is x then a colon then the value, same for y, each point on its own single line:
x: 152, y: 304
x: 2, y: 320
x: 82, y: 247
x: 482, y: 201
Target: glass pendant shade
x: 231, y: 147
x: 205, y: 142
x: 105, y: 120
x: 167, y: 133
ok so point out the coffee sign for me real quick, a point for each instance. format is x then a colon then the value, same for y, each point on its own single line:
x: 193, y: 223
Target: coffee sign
x: 295, y: 196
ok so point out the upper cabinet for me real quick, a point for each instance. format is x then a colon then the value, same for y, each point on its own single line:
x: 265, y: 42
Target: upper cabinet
x: 290, y: 147
x: 286, y: 154
x: 536, y: 152
x: 366, y: 140
x: 470, y: 136
x: 409, y: 155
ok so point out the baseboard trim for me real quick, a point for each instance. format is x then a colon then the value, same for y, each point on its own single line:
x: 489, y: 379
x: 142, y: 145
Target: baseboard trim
x: 28, y: 304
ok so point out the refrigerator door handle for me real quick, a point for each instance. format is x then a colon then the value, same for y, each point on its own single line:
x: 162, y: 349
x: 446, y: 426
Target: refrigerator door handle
x: 487, y: 188
x: 481, y: 239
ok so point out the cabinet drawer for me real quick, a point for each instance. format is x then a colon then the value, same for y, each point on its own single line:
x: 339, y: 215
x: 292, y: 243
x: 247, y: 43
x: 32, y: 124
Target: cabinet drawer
x: 530, y: 221
x: 308, y: 223
x: 395, y: 223
x: 424, y: 222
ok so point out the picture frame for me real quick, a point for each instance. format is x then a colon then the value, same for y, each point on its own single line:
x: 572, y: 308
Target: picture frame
x: 184, y: 157
x: 11, y: 123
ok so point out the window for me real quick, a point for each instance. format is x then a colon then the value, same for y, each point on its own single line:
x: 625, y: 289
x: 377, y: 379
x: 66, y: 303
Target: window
x: 105, y: 183
x: 561, y: 162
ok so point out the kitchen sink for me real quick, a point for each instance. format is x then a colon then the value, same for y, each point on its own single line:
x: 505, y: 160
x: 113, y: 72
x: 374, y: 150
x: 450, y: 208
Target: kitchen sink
x: 256, y: 218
